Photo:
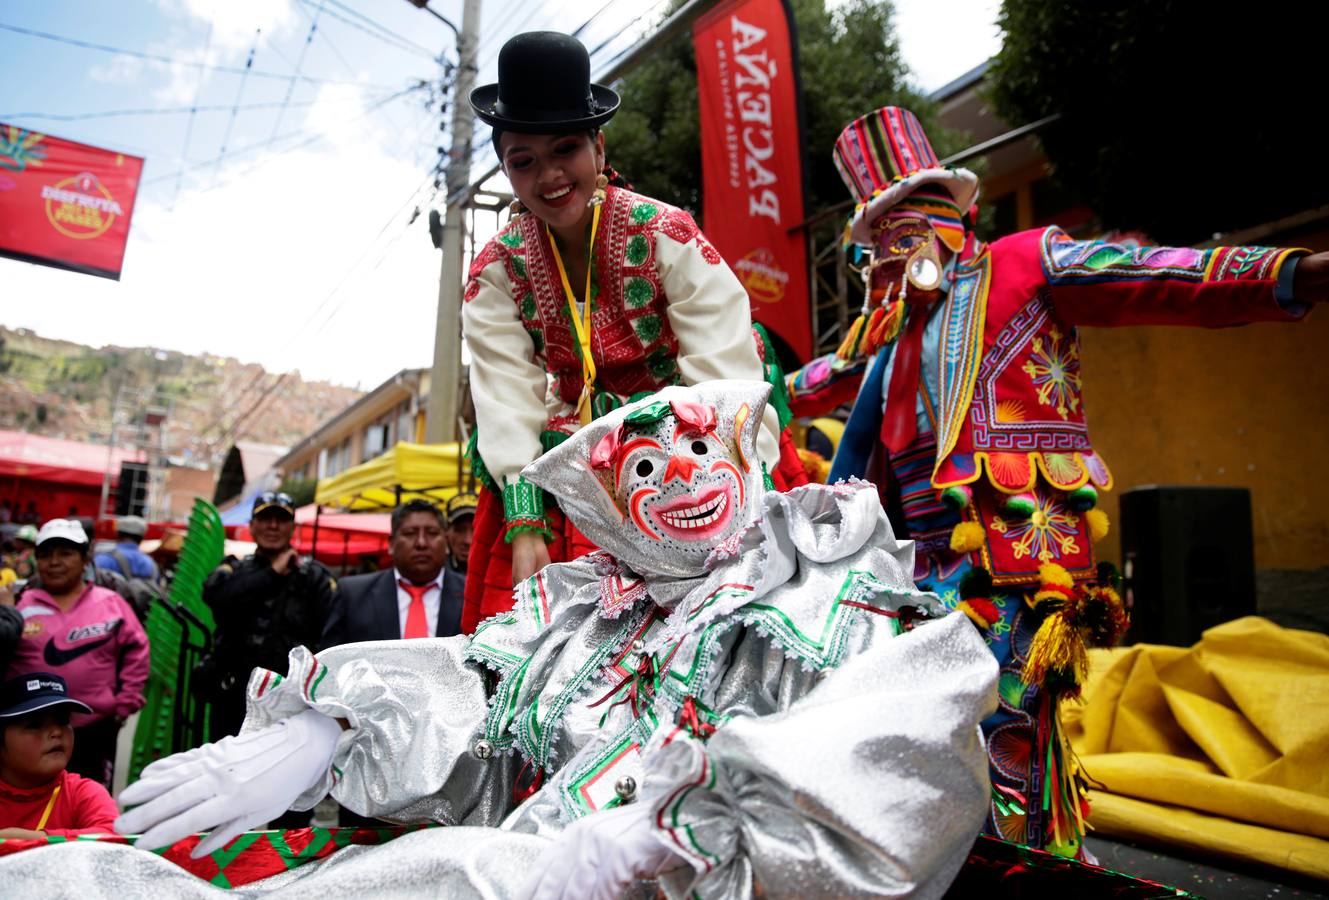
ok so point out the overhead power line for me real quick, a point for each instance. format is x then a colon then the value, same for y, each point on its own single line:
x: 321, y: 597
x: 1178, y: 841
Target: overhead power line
x: 173, y: 60
x: 148, y: 111
x: 259, y: 145
x: 376, y: 29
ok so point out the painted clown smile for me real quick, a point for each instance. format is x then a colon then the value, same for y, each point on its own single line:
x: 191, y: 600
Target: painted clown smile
x: 693, y: 518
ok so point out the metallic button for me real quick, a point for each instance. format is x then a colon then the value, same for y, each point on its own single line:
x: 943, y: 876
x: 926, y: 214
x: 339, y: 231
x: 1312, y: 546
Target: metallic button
x: 483, y: 749
x: 626, y: 788
x: 638, y: 645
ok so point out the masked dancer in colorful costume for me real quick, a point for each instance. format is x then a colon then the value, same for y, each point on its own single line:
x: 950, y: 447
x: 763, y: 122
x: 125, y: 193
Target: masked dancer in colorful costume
x: 591, y: 296
x: 742, y: 695
x: 971, y: 411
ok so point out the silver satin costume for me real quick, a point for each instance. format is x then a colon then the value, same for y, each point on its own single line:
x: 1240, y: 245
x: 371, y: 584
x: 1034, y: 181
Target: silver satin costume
x: 838, y: 753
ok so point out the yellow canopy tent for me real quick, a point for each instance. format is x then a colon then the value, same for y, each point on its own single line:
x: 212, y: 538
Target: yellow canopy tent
x: 408, y: 471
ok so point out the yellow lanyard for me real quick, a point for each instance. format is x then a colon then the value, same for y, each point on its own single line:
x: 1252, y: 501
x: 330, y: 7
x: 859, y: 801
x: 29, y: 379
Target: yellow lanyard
x: 582, y: 325
x: 50, y: 805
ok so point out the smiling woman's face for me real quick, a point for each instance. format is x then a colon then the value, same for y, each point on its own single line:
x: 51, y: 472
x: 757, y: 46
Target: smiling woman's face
x: 553, y: 175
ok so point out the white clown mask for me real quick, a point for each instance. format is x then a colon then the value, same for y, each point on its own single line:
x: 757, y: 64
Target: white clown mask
x: 662, y: 482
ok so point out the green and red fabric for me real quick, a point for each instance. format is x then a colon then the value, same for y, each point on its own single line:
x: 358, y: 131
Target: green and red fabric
x: 251, y: 857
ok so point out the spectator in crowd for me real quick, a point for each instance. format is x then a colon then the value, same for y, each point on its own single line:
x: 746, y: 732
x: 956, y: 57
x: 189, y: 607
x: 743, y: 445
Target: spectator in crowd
x: 30, y: 515
x: 264, y: 605
x: 6, y: 512
x: 418, y: 597
x: 126, y: 558
x: 461, y: 527
x: 39, y: 796
x: 88, y: 635
x: 24, y: 561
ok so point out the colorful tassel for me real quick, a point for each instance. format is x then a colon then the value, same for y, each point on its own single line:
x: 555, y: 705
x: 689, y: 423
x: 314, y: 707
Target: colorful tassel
x: 967, y: 537
x: 1057, y: 659
x: 1083, y: 499
x: 849, y: 348
x: 1020, y: 506
x: 884, y: 327
x: 957, y: 497
x: 1098, y: 524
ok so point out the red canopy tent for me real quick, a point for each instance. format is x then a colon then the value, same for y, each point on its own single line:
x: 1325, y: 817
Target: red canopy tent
x: 58, y: 476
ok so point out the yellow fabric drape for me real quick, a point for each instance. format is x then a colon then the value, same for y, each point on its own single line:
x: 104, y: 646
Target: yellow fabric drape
x: 1222, y: 747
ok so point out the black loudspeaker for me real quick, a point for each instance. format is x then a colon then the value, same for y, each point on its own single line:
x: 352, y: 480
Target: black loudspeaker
x: 1188, y: 560
x: 131, y: 494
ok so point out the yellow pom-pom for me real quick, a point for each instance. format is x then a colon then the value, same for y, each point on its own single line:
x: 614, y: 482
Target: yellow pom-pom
x: 1053, y: 575
x: 1054, y: 584
x: 1098, y: 524
x: 967, y: 537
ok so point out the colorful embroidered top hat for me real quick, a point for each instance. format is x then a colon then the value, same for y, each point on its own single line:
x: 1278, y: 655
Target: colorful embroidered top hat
x: 883, y: 157
x: 544, y: 87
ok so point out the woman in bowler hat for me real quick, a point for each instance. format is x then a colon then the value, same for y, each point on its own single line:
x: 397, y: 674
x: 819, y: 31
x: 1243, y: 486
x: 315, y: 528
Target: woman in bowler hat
x: 591, y: 296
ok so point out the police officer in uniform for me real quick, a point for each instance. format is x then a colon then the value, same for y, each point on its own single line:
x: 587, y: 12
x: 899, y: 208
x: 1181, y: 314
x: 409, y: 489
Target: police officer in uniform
x: 264, y: 605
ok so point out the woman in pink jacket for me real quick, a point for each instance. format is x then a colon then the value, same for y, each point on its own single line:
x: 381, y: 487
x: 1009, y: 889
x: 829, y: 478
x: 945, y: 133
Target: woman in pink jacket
x: 91, y: 637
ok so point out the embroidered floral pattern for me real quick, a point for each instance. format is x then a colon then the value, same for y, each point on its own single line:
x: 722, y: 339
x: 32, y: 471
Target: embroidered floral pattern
x: 1052, y: 531
x: 1054, y: 367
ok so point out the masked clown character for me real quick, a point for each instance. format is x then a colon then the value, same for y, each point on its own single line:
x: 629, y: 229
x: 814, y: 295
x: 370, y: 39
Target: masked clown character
x: 741, y: 694
x: 971, y: 413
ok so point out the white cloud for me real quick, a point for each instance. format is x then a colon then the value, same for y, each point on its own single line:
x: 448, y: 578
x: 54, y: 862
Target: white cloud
x: 234, y: 21
x: 942, y: 41
x: 240, y: 269
x: 120, y: 69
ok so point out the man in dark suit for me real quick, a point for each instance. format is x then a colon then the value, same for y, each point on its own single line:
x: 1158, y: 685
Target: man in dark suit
x: 417, y: 597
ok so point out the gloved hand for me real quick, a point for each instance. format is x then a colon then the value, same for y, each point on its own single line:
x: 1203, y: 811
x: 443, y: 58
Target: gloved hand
x: 600, y: 856
x: 229, y: 786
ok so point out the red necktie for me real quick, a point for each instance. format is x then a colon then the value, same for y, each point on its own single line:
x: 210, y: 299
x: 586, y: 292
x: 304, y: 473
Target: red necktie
x: 899, y: 423
x: 417, y: 624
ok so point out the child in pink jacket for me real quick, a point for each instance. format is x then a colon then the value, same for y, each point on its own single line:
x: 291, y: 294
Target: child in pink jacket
x: 88, y: 635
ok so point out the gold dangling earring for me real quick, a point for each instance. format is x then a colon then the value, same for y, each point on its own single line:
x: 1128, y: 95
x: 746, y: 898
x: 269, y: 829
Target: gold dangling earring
x: 515, y: 208
x: 599, y: 194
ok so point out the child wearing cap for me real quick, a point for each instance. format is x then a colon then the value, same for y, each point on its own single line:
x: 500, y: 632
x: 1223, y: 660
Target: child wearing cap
x: 38, y: 797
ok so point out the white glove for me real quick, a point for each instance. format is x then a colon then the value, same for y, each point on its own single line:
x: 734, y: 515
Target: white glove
x: 229, y: 786
x: 600, y: 856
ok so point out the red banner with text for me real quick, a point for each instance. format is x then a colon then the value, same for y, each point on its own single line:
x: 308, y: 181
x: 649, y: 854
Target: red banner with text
x: 65, y: 204
x: 752, y: 159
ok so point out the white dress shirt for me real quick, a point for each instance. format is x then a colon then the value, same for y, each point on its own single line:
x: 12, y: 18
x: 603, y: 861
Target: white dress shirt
x: 432, y: 601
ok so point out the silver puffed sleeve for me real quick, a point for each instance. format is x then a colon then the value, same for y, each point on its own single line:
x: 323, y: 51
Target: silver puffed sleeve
x: 415, y: 710
x: 873, y: 783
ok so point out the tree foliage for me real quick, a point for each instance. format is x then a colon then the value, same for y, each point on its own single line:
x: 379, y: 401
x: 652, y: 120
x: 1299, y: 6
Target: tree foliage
x: 1180, y: 119
x: 849, y: 64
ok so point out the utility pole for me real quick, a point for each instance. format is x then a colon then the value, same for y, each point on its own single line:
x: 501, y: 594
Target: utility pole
x: 444, y: 384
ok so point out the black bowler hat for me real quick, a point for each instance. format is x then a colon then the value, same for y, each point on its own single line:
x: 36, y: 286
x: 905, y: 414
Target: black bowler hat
x: 544, y: 87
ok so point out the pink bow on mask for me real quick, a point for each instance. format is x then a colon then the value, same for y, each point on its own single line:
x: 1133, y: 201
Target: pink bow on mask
x: 605, y: 453
x: 696, y: 416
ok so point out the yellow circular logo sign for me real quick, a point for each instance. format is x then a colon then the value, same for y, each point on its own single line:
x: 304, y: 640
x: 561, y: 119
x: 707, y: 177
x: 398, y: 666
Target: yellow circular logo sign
x: 762, y: 275
x: 80, y: 206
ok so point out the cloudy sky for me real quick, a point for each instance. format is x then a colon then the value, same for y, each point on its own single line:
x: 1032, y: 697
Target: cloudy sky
x: 273, y: 224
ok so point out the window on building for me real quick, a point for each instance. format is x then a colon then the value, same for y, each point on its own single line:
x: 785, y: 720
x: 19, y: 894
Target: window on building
x: 378, y: 436
x: 339, y: 458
